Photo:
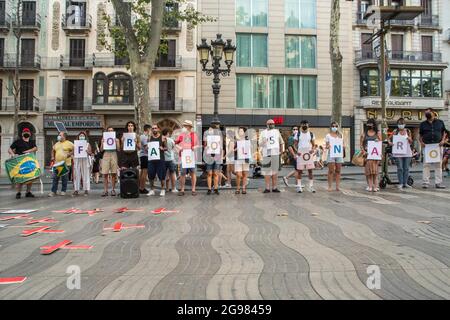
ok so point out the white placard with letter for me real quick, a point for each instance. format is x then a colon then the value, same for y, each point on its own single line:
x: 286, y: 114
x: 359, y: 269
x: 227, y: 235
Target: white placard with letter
x: 129, y: 141
x: 374, y: 150
x: 153, y: 150
x: 432, y: 153
x: 187, y: 159
x: 109, y: 141
x: 272, y: 139
x: 304, y: 157
x: 80, y: 147
x: 243, y: 149
x: 213, y: 145
x: 336, y: 147
x: 400, y: 146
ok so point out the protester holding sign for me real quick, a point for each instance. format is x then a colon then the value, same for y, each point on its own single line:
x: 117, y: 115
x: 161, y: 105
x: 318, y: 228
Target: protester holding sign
x: 22, y: 146
x: 305, y: 156
x: 372, y: 137
x: 62, y: 152
x: 130, y: 147
x: 242, y: 155
x: 110, y: 145
x: 432, y: 131
x: 156, y: 162
x: 271, y: 143
x: 401, y: 141
x: 335, y: 146
x: 213, y: 146
x: 81, y: 163
x: 187, y: 141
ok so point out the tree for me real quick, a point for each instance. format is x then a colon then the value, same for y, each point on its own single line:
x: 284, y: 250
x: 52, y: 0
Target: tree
x: 138, y: 37
x: 336, y: 62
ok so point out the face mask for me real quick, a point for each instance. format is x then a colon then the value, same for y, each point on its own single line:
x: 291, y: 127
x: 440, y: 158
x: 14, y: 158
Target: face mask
x: 271, y: 126
x: 334, y: 129
x: 59, y: 138
x: 26, y: 135
x: 428, y: 115
x: 185, y: 129
x: 82, y: 138
x: 401, y: 126
x: 370, y: 126
x: 304, y: 128
x: 295, y: 132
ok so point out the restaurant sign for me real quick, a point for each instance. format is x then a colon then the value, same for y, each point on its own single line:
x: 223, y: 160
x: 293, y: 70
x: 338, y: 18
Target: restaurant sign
x: 395, y: 114
x: 75, y: 121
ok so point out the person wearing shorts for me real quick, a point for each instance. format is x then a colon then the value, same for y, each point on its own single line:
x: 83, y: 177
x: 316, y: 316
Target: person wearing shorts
x: 334, y: 164
x: 143, y: 159
x: 109, y: 165
x: 156, y: 168
x: 271, y: 142
x: 241, y: 166
x: 187, y: 140
x: 305, y: 141
x: 213, y: 157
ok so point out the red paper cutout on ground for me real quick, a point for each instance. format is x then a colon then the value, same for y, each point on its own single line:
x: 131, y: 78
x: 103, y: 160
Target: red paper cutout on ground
x: 21, y: 216
x: 63, y: 245
x: 119, y: 226
x: 12, y: 280
x: 79, y: 211
x: 43, y: 229
x: 163, y: 210
x: 125, y: 209
x: 47, y: 220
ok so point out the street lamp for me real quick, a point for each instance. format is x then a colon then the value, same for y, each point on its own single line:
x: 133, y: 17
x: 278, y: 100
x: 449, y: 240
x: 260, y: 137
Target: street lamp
x: 217, y: 50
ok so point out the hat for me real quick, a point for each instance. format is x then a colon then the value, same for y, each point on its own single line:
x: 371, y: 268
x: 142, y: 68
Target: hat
x: 188, y: 123
x: 26, y: 130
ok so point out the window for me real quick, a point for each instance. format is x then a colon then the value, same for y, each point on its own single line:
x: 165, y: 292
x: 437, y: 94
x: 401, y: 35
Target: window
x: 2, y: 51
x: 251, y: 13
x: 276, y: 91
x: 251, y: 50
x: 300, y: 14
x: 405, y: 83
x: 116, y: 88
x: 300, y: 52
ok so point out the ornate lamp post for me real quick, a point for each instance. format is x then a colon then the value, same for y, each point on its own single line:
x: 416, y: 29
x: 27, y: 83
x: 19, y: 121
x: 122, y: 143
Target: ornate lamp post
x: 218, y: 50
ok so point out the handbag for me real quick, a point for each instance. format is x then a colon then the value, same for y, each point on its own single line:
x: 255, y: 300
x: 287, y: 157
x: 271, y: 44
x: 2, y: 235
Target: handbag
x: 358, y: 159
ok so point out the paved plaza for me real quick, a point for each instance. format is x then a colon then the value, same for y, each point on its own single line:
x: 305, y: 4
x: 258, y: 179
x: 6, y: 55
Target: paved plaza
x: 254, y: 246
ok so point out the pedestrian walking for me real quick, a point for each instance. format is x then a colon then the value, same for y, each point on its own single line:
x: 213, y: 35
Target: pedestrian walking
x: 82, y: 168
x: 143, y: 159
x: 169, y: 158
x: 214, y: 153
x: 156, y: 161
x: 305, y: 141
x: 292, y: 144
x: 432, y: 131
x: 21, y: 146
x: 371, y: 166
x: 241, y: 166
x: 334, y: 163
x: 109, y: 164
x: 187, y: 140
x: 62, y: 152
x: 272, y: 144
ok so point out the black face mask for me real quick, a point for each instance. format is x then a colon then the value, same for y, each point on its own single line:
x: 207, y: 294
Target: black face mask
x: 428, y: 115
x: 26, y: 135
x: 271, y: 126
x: 304, y: 128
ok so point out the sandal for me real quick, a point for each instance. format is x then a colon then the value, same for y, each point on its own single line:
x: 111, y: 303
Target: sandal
x: 181, y: 193
x: 194, y: 193
x: 244, y: 192
x: 104, y: 194
x: 75, y: 193
x: 238, y: 192
x: 113, y: 193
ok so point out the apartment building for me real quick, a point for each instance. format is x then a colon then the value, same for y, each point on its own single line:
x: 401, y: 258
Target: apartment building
x: 282, y: 67
x: 67, y: 73
x: 445, y: 20
x: 415, y: 53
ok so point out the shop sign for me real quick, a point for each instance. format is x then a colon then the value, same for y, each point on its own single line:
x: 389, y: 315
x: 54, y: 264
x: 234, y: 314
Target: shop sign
x: 74, y: 121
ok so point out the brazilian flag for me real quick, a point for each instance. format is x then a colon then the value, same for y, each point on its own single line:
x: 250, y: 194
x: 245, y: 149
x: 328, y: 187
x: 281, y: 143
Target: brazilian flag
x: 23, y: 168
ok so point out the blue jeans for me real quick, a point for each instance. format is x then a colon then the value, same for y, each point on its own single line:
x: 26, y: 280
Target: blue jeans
x: 403, y: 170
x: 64, y: 180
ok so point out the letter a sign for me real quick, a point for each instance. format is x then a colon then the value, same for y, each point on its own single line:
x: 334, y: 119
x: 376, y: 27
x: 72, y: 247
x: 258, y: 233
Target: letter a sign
x: 374, y: 150
x: 153, y: 150
x: 432, y: 153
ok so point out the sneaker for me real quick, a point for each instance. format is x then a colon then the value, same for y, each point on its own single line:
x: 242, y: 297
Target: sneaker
x: 311, y: 189
x: 29, y: 195
x: 440, y: 186
x: 174, y: 190
x: 424, y: 186
x: 227, y: 186
x: 62, y: 193
x: 407, y: 186
x: 151, y: 193
x: 400, y: 187
x: 266, y: 191
x: 75, y: 193
x: 143, y: 191
x: 216, y: 192
x: 51, y: 194
x: 299, y: 189
x: 208, y: 192
x: 163, y: 193
x: 285, y: 180
x: 276, y: 190
x: 18, y: 195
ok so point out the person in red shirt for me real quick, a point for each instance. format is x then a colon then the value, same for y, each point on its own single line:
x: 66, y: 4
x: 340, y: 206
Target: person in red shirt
x: 185, y: 141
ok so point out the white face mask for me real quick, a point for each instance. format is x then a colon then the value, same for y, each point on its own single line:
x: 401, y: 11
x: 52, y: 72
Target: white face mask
x: 401, y: 126
x: 334, y: 129
x: 82, y: 138
x: 59, y: 138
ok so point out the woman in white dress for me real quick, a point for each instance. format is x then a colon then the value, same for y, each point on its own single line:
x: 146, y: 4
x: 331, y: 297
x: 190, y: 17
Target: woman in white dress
x: 82, y: 169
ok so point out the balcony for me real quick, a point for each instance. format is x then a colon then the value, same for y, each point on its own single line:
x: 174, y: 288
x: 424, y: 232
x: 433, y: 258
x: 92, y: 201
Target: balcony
x: 78, y: 24
x: 412, y: 58
x: 171, y: 25
x: 68, y: 62
x: 429, y: 22
x: 26, y: 62
x: 28, y: 24
x: 5, y: 22
x: 109, y: 60
x: 398, y: 24
x: 170, y: 63
x: 68, y: 106
x: 159, y: 105
x: 7, y: 105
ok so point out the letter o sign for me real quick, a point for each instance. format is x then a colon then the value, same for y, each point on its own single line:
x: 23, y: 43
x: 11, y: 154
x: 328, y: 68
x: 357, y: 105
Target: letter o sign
x: 434, y: 154
x: 110, y: 141
x: 306, y: 156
